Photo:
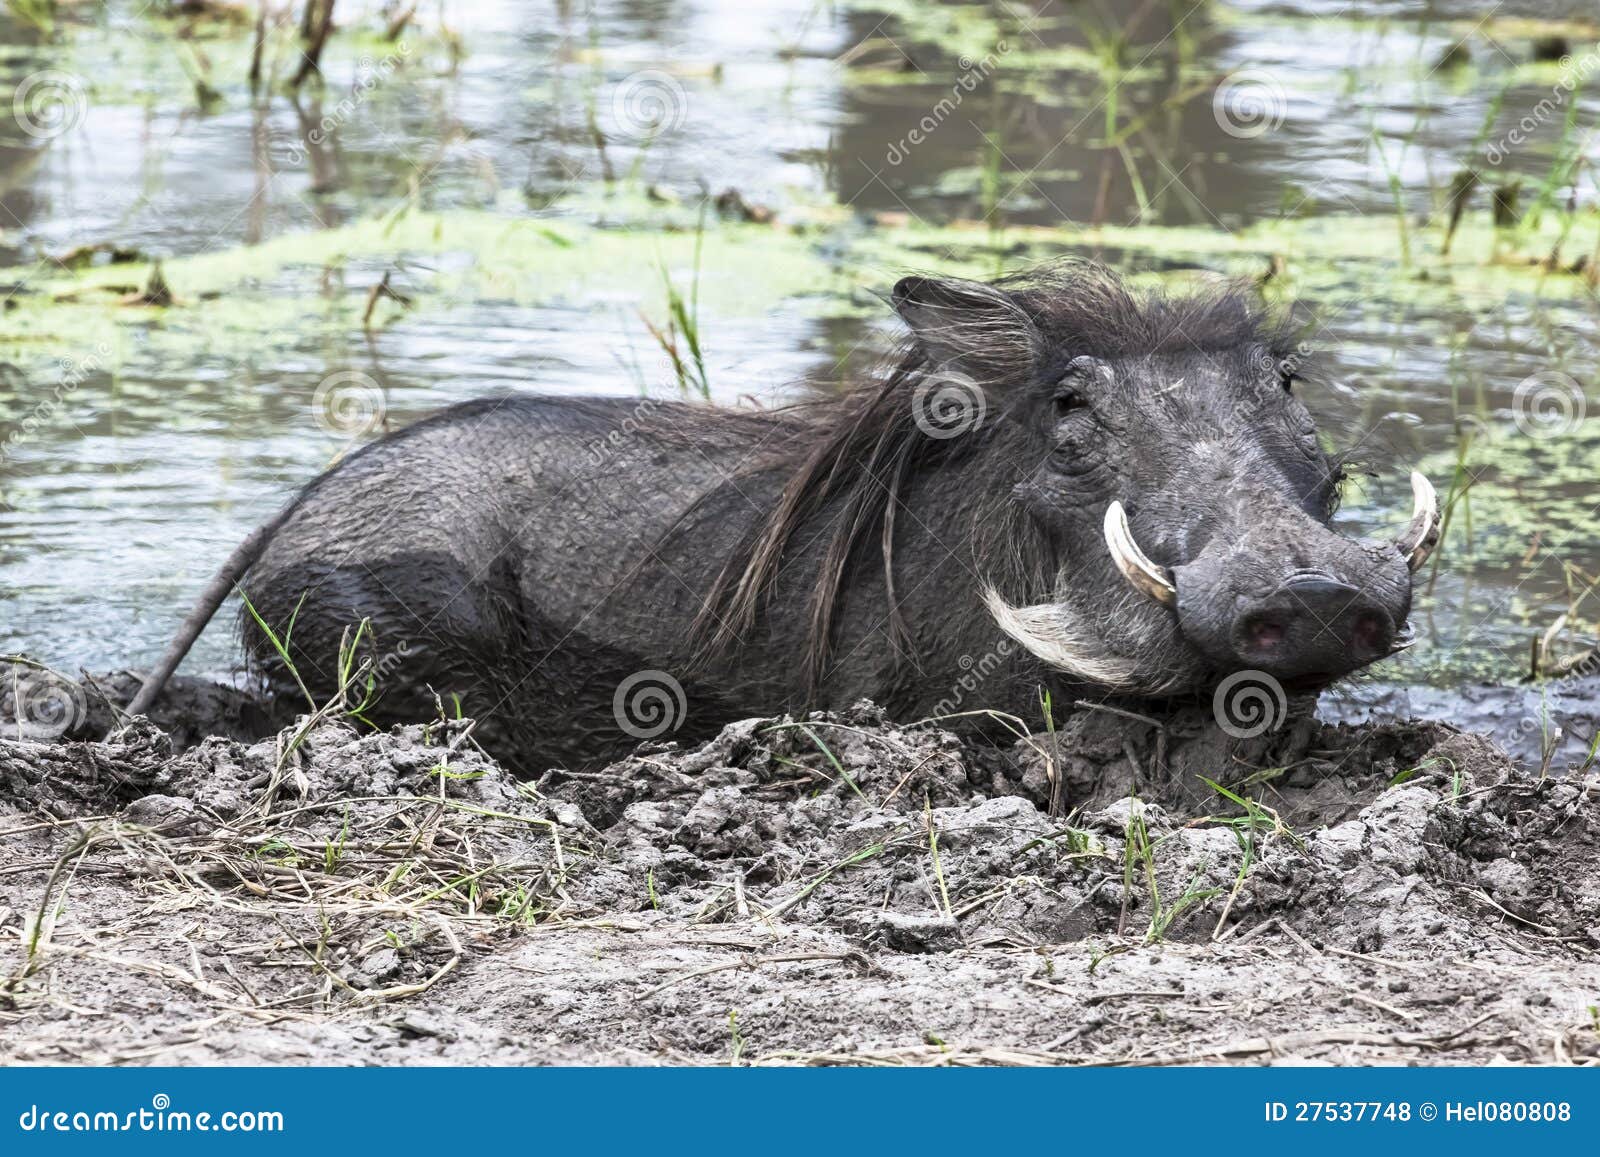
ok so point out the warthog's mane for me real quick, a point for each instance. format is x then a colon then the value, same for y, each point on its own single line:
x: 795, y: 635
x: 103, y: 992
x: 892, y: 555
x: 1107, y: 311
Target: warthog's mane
x: 851, y: 456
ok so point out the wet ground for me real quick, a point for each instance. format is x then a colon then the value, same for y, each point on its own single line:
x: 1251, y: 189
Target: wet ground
x: 833, y: 890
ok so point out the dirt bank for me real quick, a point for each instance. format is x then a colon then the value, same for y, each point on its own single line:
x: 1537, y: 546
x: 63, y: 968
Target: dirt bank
x: 832, y: 890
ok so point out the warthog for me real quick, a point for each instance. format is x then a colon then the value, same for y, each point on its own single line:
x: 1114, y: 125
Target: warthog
x: 1059, y: 483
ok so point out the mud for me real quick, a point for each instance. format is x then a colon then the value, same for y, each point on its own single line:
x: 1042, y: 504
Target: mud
x: 833, y: 890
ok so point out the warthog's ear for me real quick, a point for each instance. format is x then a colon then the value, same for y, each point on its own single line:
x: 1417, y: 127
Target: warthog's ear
x: 967, y: 326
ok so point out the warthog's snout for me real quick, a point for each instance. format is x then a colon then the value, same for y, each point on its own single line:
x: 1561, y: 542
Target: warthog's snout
x: 1313, y: 626
x: 1282, y: 593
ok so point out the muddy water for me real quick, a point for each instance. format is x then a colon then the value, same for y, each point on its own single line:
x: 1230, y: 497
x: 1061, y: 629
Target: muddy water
x: 140, y: 443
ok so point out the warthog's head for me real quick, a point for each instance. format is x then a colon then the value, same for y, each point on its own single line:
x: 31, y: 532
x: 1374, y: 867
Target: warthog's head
x: 1159, y: 449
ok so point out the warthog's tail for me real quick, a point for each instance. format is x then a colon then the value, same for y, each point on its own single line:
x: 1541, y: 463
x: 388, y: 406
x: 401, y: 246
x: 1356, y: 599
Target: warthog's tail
x: 243, y: 557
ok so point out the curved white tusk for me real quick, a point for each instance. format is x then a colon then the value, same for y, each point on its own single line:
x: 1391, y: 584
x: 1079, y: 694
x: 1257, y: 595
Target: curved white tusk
x: 1423, y: 534
x: 1144, y: 575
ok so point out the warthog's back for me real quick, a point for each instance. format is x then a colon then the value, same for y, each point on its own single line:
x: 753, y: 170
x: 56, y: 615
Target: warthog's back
x: 478, y: 551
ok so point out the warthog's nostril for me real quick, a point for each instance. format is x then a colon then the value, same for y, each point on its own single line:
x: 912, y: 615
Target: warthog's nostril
x: 1264, y: 633
x: 1369, y: 635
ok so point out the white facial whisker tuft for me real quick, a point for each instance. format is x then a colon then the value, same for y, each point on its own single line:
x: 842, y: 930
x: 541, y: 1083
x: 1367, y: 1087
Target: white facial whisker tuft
x: 1056, y: 634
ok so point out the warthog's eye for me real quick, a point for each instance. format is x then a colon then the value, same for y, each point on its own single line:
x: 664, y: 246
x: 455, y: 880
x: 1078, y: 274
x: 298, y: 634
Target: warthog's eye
x: 1068, y: 400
